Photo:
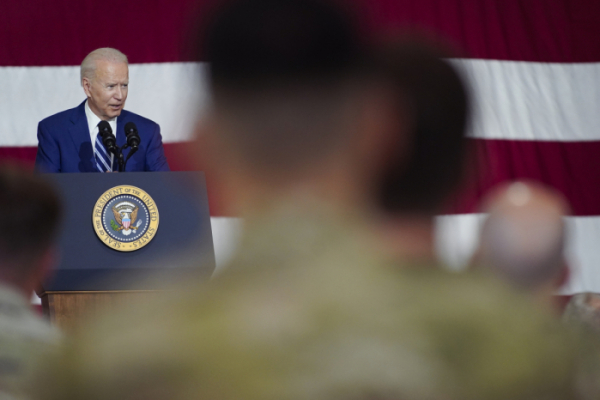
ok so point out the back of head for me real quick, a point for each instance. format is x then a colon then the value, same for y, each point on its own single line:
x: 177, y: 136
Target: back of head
x: 523, y: 238
x: 252, y: 43
x: 29, y: 218
x: 280, y: 73
x: 421, y: 179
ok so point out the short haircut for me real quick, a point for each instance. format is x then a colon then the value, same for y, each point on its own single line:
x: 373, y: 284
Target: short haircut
x: 30, y: 212
x: 253, y: 42
x: 422, y: 179
x: 88, y: 65
x: 279, y: 74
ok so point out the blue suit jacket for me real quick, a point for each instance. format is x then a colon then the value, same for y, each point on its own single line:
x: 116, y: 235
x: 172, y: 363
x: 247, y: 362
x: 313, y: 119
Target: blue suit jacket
x: 64, y: 143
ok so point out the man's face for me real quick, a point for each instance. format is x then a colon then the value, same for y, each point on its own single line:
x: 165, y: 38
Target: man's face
x: 107, y: 90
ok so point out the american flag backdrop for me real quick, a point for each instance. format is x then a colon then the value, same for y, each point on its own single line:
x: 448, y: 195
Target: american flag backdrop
x: 533, y: 67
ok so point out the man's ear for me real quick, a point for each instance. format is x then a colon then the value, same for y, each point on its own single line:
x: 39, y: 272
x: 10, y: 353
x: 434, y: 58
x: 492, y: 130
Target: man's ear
x: 385, y: 124
x: 86, y: 83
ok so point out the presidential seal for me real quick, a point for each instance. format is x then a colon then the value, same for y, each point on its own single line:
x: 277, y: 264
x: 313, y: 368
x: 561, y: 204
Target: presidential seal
x: 125, y: 218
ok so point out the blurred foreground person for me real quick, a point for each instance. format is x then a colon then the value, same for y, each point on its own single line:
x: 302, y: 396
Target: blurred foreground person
x: 340, y: 333
x: 289, y: 124
x: 583, y: 310
x: 523, y: 238
x: 299, y: 135
x: 29, y: 218
x: 582, y: 315
x: 417, y: 183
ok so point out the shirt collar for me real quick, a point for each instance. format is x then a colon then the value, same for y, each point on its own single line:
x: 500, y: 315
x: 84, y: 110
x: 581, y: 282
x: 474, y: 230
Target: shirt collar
x: 94, y: 120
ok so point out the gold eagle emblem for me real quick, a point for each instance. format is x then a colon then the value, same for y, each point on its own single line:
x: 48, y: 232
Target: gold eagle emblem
x: 131, y: 216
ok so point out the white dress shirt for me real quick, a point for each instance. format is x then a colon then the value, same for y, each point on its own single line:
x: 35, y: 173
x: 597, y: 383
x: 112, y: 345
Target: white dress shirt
x: 93, y: 120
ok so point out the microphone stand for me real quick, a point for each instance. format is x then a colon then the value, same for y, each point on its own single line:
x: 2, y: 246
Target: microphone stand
x: 121, y: 161
x: 121, y: 158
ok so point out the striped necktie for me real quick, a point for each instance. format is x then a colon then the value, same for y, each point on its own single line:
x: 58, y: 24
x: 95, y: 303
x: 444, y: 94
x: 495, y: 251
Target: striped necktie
x: 103, y: 162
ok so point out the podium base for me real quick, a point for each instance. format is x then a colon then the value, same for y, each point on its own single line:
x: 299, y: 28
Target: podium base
x: 67, y: 310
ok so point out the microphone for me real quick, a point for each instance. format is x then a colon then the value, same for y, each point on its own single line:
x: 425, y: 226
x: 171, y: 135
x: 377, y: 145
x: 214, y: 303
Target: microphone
x: 108, y: 139
x: 133, y: 138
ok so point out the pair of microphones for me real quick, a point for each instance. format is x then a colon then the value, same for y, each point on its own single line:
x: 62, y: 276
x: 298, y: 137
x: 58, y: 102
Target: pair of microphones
x: 110, y: 142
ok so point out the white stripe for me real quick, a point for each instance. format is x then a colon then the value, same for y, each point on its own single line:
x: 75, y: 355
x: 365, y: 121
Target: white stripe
x: 519, y: 100
x: 103, y: 162
x: 513, y: 100
x: 226, y: 232
x: 110, y: 156
x: 457, y: 239
x: 173, y: 95
x: 102, y: 153
x: 100, y: 146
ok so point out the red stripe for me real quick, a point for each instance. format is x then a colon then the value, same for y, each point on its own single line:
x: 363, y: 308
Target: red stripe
x: 573, y: 168
x: 23, y: 156
x: 533, y: 30
x: 62, y: 32
x: 177, y: 154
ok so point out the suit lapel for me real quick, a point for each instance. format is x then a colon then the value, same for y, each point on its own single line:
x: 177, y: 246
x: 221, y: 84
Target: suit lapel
x: 80, y: 134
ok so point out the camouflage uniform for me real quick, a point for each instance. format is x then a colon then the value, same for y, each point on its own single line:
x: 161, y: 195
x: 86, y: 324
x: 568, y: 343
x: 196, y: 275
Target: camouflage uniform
x: 308, y: 310
x: 24, y: 339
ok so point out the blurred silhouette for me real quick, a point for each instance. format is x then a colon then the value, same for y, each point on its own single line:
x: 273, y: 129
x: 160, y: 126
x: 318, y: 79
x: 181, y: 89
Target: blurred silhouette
x: 329, y: 332
x: 29, y: 218
x: 523, y: 239
x: 418, y: 179
x: 301, y: 128
x: 296, y: 112
x: 584, y: 310
x: 582, y: 315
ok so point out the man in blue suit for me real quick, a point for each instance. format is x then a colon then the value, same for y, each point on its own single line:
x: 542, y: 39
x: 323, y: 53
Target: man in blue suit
x: 69, y: 142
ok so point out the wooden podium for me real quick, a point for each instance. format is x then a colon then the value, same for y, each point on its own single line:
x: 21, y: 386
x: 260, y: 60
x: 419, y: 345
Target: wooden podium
x: 95, y: 278
x: 67, y: 310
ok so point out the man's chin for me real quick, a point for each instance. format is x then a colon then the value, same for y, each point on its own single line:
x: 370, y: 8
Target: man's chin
x: 114, y: 113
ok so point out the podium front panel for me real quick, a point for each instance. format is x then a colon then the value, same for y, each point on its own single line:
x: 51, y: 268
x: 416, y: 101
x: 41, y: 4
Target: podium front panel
x: 181, y: 247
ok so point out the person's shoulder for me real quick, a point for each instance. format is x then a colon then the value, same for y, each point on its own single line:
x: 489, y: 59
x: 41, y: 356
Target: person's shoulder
x: 128, y: 116
x: 19, y: 323
x: 476, y: 304
x: 59, y: 117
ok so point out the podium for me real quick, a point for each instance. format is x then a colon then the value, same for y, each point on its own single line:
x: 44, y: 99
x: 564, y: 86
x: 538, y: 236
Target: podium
x: 125, y: 238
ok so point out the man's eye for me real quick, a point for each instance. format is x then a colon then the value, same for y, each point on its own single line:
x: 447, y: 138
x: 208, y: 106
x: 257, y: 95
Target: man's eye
x: 111, y: 86
x: 125, y: 85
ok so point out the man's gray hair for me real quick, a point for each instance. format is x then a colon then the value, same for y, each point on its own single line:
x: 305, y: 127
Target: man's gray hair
x: 88, y: 65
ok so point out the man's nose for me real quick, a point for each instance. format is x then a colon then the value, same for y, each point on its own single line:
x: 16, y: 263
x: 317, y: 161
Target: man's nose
x: 119, y: 93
